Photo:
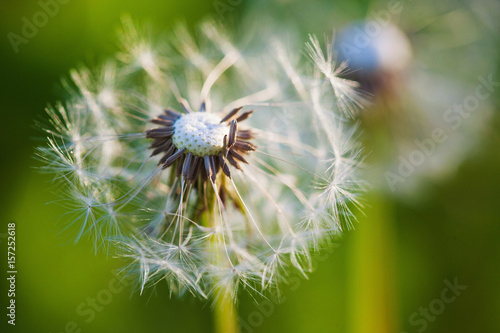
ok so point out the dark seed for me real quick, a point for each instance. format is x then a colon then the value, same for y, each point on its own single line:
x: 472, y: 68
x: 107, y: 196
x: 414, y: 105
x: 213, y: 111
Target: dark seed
x: 244, y: 146
x: 224, y: 166
x: 231, y: 160
x: 174, y: 157
x: 161, y: 121
x: 237, y: 155
x: 172, y: 113
x: 194, y: 167
x: 169, y: 153
x: 160, y: 132
x: 158, y: 142
x: 245, y: 134
x: 212, y: 166
x: 180, y: 164
x: 231, y: 114
x: 233, y: 129
x: 187, y: 166
x: 163, y: 147
x: 208, y: 169
x: 244, y: 116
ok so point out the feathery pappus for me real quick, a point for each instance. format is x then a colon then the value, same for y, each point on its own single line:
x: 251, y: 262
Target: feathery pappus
x: 212, y: 162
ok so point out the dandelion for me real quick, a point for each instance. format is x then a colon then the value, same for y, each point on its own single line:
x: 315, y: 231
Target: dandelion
x: 411, y: 103
x: 236, y: 193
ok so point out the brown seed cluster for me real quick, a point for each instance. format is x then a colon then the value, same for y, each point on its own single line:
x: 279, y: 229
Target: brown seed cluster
x: 190, y: 166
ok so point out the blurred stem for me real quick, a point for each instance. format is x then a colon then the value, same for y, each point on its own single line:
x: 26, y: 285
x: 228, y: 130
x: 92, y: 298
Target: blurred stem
x: 371, y: 292
x: 225, y: 314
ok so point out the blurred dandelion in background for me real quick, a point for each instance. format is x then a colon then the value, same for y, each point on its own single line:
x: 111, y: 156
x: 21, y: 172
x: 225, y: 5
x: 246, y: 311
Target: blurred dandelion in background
x: 212, y: 163
x: 425, y: 118
x: 421, y: 64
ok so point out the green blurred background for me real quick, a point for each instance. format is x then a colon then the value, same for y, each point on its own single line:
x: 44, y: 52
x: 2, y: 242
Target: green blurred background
x: 362, y: 286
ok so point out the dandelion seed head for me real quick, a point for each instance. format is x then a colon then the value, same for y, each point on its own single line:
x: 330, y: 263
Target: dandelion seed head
x: 200, y: 133
x: 208, y: 201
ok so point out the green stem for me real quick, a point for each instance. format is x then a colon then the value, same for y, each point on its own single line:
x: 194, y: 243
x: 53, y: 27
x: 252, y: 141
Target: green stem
x: 225, y: 315
x: 372, y: 294
x: 225, y: 311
